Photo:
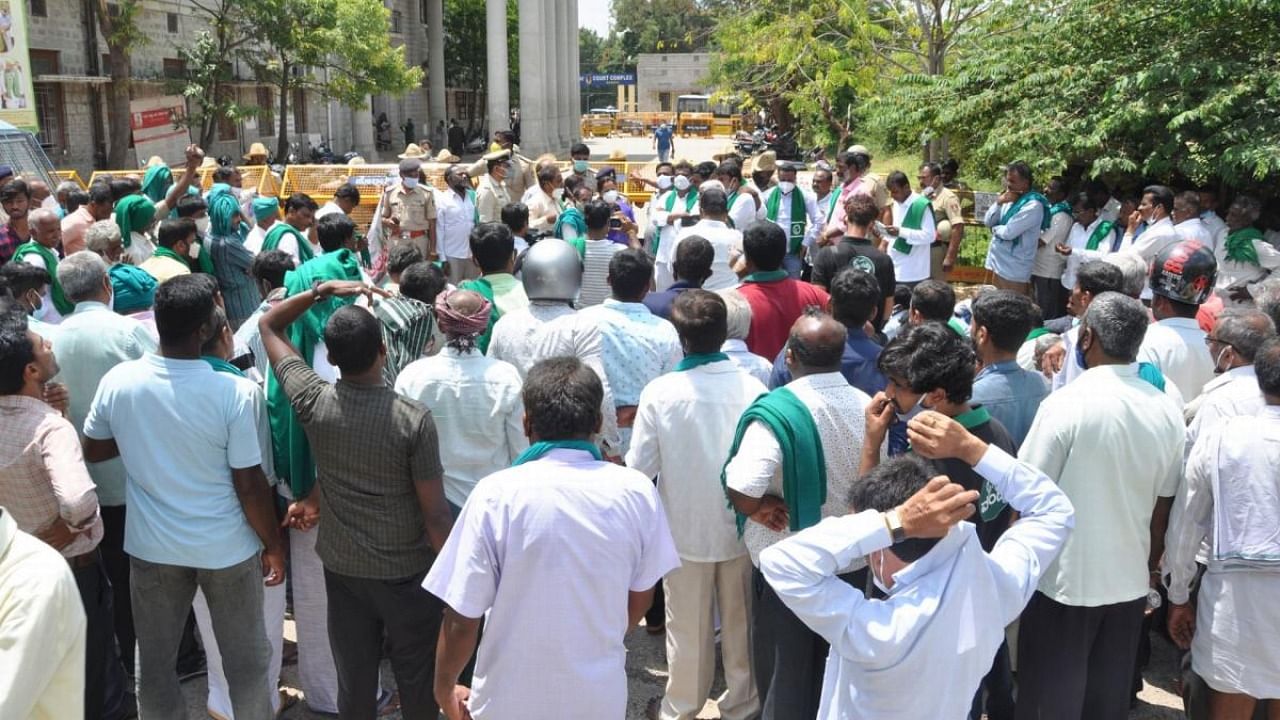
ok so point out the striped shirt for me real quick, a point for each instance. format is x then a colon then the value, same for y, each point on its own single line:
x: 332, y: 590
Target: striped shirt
x: 231, y: 261
x: 595, y: 272
x: 407, y: 328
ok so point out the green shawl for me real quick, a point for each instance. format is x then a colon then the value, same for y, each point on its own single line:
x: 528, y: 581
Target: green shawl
x: 156, y: 182
x: 1023, y: 199
x: 804, y: 467
x: 1095, y: 238
x: 542, y: 447
x: 165, y: 252
x: 913, y: 220
x: 60, y: 301
x: 795, y: 234
x: 482, y: 286
x: 292, y: 451
x: 574, y: 218
x: 1240, y: 245
x: 689, y: 362
x: 278, y: 231
x: 133, y: 214
x: 222, y: 366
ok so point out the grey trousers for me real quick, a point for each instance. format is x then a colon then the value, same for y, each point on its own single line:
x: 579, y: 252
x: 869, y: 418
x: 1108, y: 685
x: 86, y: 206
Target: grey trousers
x: 162, y: 596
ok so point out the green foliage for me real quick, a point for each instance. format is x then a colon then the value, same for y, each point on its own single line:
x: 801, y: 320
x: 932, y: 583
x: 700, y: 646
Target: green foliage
x: 466, y: 61
x: 654, y: 26
x: 1183, y: 90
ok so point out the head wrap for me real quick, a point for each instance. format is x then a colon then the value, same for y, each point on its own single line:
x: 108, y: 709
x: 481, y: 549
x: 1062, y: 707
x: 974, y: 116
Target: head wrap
x: 156, y: 182
x: 133, y: 214
x: 223, y: 207
x: 133, y: 287
x: 265, y: 207
x: 461, y: 328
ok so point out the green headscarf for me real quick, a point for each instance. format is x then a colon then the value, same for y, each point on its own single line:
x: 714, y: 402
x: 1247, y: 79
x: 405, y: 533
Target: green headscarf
x: 223, y: 207
x: 133, y: 214
x: 265, y: 207
x: 156, y: 182
x: 133, y: 288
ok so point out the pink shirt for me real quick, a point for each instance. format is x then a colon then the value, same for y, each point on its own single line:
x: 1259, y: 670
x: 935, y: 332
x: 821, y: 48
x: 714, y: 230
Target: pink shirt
x: 74, y: 227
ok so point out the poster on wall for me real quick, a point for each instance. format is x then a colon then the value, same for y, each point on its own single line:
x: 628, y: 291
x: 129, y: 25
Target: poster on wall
x: 17, y: 100
x: 159, y: 129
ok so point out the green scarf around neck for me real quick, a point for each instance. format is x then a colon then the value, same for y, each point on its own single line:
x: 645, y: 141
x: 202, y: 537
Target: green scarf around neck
x: 1059, y: 207
x: 1017, y: 205
x: 222, y: 366
x: 795, y: 234
x: 1095, y: 238
x: 1240, y: 245
x: 542, y: 447
x: 764, y: 276
x: 694, y: 360
x: 990, y: 502
x: 165, y: 252
x: 482, y: 286
x: 292, y: 451
x: 804, y: 466
x: 690, y: 199
x: 913, y: 220
x: 277, y: 233
x: 60, y: 301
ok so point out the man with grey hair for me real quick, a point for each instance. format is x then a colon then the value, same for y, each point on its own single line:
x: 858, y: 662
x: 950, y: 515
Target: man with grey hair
x: 735, y: 344
x: 103, y: 239
x: 1243, y: 255
x: 1186, y: 219
x: 1233, y: 343
x: 91, y: 341
x: 1113, y: 442
x: 1134, y: 270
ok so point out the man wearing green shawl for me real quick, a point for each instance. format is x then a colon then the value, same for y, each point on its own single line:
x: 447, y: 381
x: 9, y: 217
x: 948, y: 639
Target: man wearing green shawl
x: 266, y: 213
x: 156, y: 182
x: 41, y: 251
x: 1243, y: 256
x: 231, y: 259
x: 290, y: 235
x: 493, y: 250
x: 793, y: 462
x: 136, y: 215
x: 1015, y: 220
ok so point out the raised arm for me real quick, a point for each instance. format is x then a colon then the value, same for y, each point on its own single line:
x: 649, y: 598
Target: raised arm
x: 276, y: 321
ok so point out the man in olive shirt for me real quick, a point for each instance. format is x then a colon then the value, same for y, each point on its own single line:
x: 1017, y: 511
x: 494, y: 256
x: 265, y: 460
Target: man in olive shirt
x: 383, y: 514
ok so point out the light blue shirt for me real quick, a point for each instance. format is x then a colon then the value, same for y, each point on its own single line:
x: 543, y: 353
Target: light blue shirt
x: 1012, y: 396
x: 91, y: 341
x: 1012, y: 252
x: 181, y: 428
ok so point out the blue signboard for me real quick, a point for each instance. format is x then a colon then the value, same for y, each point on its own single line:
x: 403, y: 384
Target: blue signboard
x: 589, y: 80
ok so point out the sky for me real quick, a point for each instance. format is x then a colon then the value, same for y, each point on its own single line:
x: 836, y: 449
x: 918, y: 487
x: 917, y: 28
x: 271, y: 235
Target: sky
x: 594, y: 14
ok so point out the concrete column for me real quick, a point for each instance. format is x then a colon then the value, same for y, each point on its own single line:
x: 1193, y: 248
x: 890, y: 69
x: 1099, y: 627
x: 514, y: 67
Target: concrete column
x: 362, y: 130
x: 436, y: 107
x: 568, y: 73
x: 533, y: 97
x: 547, y: 53
x: 574, y: 70
x: 499, y: 101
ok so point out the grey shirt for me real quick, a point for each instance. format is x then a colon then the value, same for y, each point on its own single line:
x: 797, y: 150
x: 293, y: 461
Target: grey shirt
x: 371, y: 446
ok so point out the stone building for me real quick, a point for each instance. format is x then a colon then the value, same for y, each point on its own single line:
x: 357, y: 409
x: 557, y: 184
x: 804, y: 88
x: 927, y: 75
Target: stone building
x: 662, y: 77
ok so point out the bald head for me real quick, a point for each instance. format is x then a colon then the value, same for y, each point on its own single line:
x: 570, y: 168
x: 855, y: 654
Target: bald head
x: 46, y: 229
x: 816, y: 344
x: 465, y: 302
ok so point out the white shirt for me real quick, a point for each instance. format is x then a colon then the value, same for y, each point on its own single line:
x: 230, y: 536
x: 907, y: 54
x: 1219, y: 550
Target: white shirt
x: 329, y: 208
x: 1215, y: 224
x: 912, y: 266
x: 516, y: 334
x: 739, y: 355
x: 1049, y: 262
x: 1113, y: 443
x: 1078, y: 239
x: 784, y: 213
x: 1152, y: 240
x: 743, y: 211
x: 946, y: 613
x: 1194, y: 229
x: 141, y: 248
x: 727, y: 244
x: 837, y: 409
x: 1236, y: 274
x: 547, y: 552
x: 42, y: 630
x: 570, y: 335
x: 253, y: 241
x: 665, y: 231
x: 1234, y: 392
x: 1176, y: 346
x: 455, y: 216
x: 540, y: 205
x: 475, y: 403
x: 684, y: 428
x: 52, y: 316
x: 595, y: 271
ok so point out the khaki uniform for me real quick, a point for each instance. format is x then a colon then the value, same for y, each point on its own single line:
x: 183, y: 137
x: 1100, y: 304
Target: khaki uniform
x: 946, y: 214
x: 415, y: 210
x: 519, y: 178
x: 491, y: 196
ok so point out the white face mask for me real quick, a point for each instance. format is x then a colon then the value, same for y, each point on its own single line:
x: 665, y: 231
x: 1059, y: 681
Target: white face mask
x: 610, y: 196
x: 664, y: 182
x: 681, y: 182
x: 202, y: 225
x: 558, y: 194
x: 914, y: 411
x: 875, y: 576
x: 785, y: 186
x: 193, y: 251
x: 1217, y: 362
x: 409, y: 183
x: 928, y: 191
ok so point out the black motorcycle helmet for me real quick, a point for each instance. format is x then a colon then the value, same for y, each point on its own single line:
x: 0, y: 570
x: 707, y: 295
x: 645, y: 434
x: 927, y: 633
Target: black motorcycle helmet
x: 1184, y: 272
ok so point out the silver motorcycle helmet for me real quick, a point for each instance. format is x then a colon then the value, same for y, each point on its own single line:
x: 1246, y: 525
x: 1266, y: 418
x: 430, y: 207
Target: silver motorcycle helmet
x: 552, y: 270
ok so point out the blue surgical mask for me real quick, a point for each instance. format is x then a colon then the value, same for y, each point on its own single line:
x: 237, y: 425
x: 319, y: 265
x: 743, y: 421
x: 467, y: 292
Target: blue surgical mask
x: 580, y: 166
x: 1084, y: 365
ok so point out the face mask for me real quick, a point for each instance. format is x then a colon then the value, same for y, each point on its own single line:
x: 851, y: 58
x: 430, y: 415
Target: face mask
x: 1084, y: 365
x: 928, y: 191
x: 39, y: 310
x: 785, y: 186
x: 914, y: 411
x: 681, y: 182
x: 557, y: 194
x: 193, y: 251
x: 202, y: 225
x: 111, y: 302
x: 875, y: 576
x: 610, y: 197
x: 664, y: 182
x: 409, y: 183
x: 1217, y: 362
x: 580, y: 166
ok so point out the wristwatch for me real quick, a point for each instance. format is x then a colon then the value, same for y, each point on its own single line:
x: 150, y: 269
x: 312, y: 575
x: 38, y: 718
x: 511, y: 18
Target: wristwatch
x: 894, y: 524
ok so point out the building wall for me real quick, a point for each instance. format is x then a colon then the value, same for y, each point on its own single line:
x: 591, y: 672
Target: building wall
x: 63, y: 30
x: 671, y: 74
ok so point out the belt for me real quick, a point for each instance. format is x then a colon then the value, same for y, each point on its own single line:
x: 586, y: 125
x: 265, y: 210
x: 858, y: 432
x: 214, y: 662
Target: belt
x: 415, y: 233
x: 626, y: 416
x: 88, y: 559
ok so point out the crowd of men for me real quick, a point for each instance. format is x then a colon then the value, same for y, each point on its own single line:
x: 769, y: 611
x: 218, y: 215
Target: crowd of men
x: 513, y: 418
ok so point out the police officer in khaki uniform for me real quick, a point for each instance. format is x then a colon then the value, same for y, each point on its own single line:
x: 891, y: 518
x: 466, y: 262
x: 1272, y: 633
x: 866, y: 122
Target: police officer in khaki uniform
x: 521, y: 175
x: 409, y: 210
x: 491, y: 192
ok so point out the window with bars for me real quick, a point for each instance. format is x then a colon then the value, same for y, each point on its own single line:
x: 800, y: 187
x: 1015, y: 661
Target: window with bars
x: 171, y: 20
x: 38, y: 8
x: 299, y: 110
x: 51, y: 114
x: 174, y: 68
x: 397, y: 22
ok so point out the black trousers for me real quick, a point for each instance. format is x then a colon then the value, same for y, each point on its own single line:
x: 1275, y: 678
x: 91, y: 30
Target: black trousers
x: 116, y: 564
x: 995, y: 694
x: 1076, y: 663
x: 104, y: 682
x: 1050, y: 295
x: 790, y: 659
x: 361, y: 612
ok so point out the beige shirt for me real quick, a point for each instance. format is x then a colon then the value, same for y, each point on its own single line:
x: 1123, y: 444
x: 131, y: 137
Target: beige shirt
x: 946, y: 213
x: 540, y: 206
x: 491, y: 196
x: 414, y: 209
x: 163, y: 268
x: 519, y: 178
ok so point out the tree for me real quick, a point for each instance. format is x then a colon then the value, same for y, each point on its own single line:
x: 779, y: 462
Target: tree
x: 339, y: 49
x: 118, y: 23
x: 209, y: 70
x: 1080, y: 84
x: 465, y: 50
x: 649, y: 26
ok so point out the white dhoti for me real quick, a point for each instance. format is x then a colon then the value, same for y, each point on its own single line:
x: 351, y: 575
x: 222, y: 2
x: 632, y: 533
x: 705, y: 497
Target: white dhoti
x: 219, y: 702
x: 1235, y: 648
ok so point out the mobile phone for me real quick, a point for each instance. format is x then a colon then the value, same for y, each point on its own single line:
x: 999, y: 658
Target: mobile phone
x: 615, y: 223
